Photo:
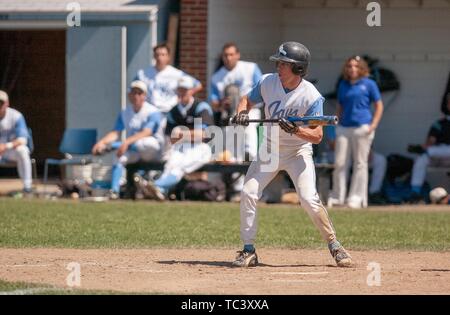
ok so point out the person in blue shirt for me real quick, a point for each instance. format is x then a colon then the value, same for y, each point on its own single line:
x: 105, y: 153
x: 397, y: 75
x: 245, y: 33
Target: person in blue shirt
x: 144, y: 136
x: 355, y: 132
x: 14, y: 141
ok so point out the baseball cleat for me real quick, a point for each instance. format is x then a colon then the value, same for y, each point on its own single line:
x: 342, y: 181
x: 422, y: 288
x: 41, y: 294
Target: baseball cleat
x: 113, y: 195
x: 156, y: 191
x: 333, y: 202
x: 342, y: 257
x: 245, y: 259
x: 149, y: 189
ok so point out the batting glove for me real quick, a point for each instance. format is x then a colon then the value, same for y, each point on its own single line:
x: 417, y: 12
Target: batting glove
x: 241, y: 118
x: 288, y: 126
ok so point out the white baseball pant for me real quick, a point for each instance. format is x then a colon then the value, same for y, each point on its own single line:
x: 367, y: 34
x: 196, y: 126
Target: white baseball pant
x: 148, y: 149
x: 352, y: 144
x: 435, y: 155
x: 186, y: 158
x: 378, y: 163
x: 299, y: 165
x: 21, y: 155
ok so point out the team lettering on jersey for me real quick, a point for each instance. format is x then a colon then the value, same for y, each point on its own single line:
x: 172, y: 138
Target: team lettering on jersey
x: 164, y: 90
x: 276, y: 112
x: 303, y: 100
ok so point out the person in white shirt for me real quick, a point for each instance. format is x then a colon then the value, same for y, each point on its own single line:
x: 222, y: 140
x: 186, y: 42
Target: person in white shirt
x: 14, y: 138
x: 162, y: 80
x: 232, y: 81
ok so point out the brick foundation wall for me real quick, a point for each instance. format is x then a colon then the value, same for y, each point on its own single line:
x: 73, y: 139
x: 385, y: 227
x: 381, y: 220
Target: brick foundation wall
x: 193, y: 40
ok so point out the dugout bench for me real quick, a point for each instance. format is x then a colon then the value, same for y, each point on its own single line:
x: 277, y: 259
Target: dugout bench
x: 212, y: 167
x: 323, y: 174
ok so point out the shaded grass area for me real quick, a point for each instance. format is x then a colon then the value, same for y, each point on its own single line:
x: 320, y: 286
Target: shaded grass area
x: 24, y: 288
x: 67, y: 224
x: 16, y: 286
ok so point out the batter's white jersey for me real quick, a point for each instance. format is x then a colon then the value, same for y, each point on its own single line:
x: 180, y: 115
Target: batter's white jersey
x: 245, y: 75
x: 305, y: 100
x: 162, y: 85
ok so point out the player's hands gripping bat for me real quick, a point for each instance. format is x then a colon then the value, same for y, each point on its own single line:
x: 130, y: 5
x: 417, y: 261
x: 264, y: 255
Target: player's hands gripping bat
x: 241, y: 119
x: 288, y: 126
x: 299, y: 121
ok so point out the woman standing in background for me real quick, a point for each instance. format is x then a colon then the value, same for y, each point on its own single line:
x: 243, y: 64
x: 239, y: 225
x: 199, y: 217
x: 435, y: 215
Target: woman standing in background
x: 355, y: 132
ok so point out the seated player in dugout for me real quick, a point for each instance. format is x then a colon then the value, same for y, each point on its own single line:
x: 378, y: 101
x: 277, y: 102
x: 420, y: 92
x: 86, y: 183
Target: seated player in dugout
x: 144, y: 135
x: 186, y: 123
x: 14, y: 141
x: 435, y: 151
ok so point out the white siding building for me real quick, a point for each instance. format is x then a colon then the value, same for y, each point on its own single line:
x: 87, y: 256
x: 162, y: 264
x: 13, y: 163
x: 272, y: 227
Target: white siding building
x: 413, y: 41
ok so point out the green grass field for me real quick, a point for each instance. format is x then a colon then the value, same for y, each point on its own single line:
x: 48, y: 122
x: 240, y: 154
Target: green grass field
x: 23, y: 288
x: 67, y: 224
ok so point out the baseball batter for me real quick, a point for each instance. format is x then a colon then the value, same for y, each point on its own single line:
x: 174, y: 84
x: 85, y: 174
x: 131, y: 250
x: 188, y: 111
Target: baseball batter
x: 285, y: 93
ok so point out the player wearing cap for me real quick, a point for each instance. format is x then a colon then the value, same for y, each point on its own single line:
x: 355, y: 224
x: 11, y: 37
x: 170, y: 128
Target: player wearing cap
x: 144, y: 137
x: 14, y: 138
x: 439, y: 196
x: 285, y: 93
x: 186, y: 123
x: 435, y: 151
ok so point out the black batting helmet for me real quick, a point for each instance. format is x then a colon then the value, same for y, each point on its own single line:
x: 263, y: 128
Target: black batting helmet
x: 295, y: 53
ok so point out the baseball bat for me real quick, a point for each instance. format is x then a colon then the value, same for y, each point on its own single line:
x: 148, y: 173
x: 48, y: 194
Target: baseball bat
x: 303, y: 121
